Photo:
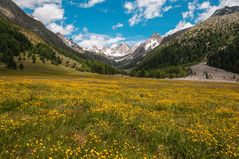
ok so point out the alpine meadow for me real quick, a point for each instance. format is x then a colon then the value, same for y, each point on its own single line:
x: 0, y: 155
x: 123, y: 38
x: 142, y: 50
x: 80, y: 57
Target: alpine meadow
x: 125, y: 79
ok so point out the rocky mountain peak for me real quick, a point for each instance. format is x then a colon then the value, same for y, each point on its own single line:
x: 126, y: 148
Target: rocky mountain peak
x: 154, y: 41
x: 122, y: 47
x: 226, y: 10
x: 70, y: 43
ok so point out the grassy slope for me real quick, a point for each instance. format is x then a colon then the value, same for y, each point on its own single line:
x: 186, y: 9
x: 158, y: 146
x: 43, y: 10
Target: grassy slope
x: 93, y: 116
x: 35, y: 39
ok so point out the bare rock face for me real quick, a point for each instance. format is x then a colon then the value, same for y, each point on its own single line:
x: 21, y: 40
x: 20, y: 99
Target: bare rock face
x: 70, y: 43
x: 7, y: 13
x: 226, y: 10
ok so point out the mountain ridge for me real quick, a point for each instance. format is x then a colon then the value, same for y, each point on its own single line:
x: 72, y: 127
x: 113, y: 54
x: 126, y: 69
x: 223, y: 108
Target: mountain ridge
x: 13, y: 13
x: 225, y: 11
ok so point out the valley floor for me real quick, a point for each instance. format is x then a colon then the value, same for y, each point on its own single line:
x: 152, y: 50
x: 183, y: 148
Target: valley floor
x: 93, y: 116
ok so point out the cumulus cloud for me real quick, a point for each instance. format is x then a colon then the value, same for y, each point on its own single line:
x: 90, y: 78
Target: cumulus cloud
x: 65, y: 30
x: 144, y: 9
x: 91, y: 3
x: 210, y: 9
x: 191, y: 9
x: 204, y: 5
x: 31, y: 4
x: 118, y: 25
x: 87, y: 39
x: 207, y: 13
x: 49, y: 13
x: 85, y: 29
x: 129, y: 6
x: 180, y: 26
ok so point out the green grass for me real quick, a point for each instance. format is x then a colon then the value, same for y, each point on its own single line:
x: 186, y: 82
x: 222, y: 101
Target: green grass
x: 85, y: 115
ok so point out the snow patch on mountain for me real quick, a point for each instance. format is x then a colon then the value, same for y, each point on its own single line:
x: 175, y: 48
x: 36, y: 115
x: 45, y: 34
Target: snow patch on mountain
x: 153, y: 42
x: 121, y: 51
x: 116, y: 50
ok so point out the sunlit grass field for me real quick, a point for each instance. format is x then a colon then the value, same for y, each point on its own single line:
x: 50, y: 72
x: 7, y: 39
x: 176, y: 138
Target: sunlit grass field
x: 93, y: 116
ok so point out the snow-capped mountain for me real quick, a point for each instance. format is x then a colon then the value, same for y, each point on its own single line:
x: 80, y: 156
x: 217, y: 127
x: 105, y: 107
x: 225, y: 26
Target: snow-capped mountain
x: 116, y: 50
x: 122, y: 50
x: 121, y: 53
x: 154, y: 41
x: 139, y: 51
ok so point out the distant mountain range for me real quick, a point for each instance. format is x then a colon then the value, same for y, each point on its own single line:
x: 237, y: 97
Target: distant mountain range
x: 122, y: 49
x: 121, y: 54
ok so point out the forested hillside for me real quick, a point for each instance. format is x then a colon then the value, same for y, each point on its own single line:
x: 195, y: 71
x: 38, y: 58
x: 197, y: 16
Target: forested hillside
x: 16, y: 49
x: 11, y: 44
x: 214, y: 41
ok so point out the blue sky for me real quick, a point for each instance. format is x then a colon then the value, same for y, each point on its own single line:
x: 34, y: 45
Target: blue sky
x: 105, y: 22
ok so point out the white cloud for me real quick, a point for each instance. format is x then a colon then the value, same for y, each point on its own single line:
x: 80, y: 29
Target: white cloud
x: 78, y: 38
x: 180, y: 26
x: 167, y: 8
x: 144, y: 9
x: 135, y: 19
x: 31, y: 4
x: 85, y: 29
x: 65, y: 30
x: 209, y: 9
x: 208, y: 13
x: 49, y: 13
x: 230, y: 3
x: 91, y: 3
x: 129, y: 6
x: 88, y: 40
x: 191, y: 9
x: 119, y: 25
x: 204, y: 5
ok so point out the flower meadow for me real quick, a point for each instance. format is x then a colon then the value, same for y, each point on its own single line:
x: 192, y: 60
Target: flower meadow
x: 97, y: 116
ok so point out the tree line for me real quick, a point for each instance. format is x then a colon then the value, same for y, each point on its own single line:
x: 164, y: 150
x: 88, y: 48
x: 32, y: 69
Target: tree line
x: 45, y: 53
x: 101, y: 68
x: 12, y: 43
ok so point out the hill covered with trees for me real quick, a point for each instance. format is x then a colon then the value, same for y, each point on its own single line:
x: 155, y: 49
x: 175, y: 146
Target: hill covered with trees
x: 214, y: 41
x: 11, y: 44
